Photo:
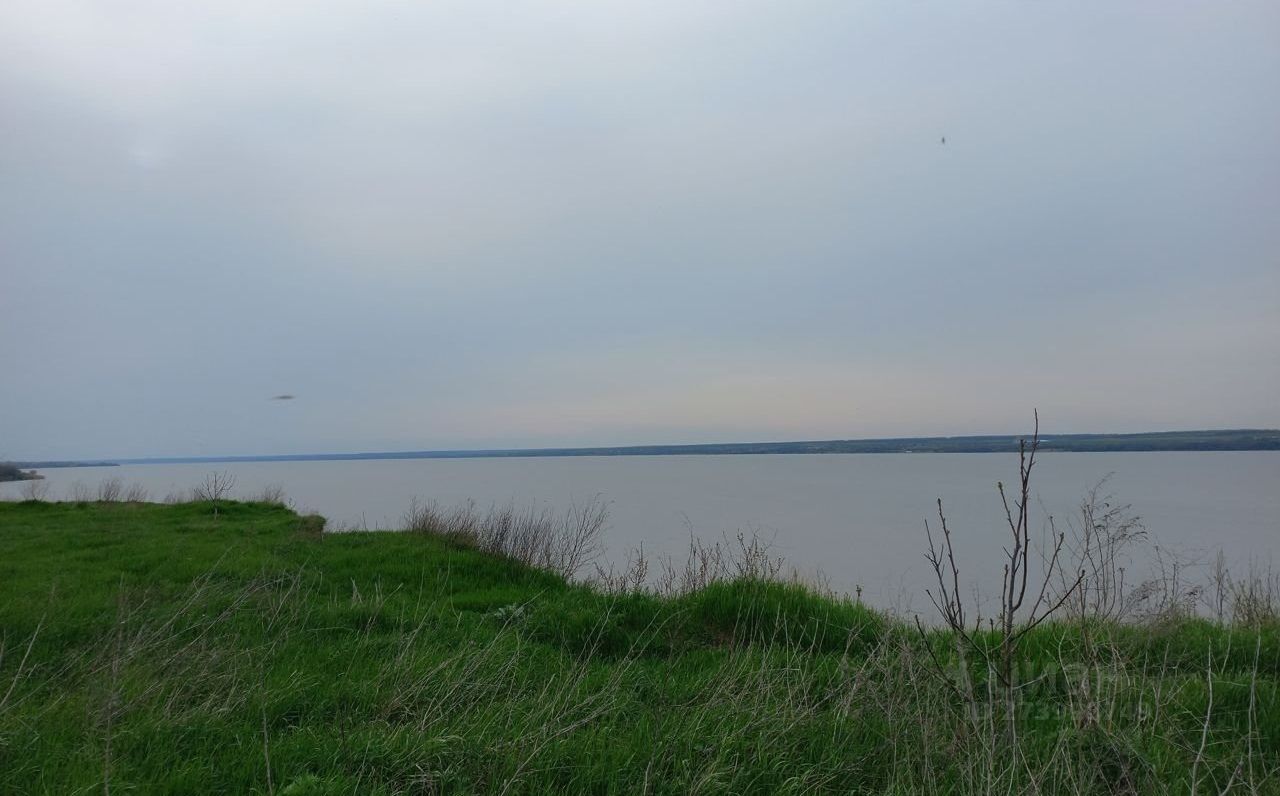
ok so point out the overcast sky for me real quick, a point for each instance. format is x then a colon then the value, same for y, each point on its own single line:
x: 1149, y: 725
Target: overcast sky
x: 483, y: 224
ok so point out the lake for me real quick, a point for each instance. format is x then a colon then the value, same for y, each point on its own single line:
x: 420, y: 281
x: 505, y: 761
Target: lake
x: 859, y: 518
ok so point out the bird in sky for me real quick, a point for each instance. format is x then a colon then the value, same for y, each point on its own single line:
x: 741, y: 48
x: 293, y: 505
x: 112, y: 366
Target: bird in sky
x: 282, y: 397
x: 944, y: 140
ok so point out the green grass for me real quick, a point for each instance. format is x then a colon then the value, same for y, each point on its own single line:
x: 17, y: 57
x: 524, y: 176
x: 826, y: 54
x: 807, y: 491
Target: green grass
x: 158, y: 649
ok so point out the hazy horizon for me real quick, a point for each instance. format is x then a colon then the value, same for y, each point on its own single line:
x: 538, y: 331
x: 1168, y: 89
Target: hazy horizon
x: 392, y: 452
x: 479, y: 226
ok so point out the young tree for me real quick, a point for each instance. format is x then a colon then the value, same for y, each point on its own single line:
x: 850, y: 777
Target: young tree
x: 215, y: 487
x: 1015, y: 616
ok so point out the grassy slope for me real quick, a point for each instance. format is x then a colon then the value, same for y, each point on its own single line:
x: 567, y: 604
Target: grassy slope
x: 175, y: 653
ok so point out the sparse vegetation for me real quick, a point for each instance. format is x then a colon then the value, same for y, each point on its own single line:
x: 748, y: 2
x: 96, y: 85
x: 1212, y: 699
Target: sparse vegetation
x: 110, y: 490
x: 154, y: 648
x: 539, y: 538
x: 272, y: 494
x: 35, y: 489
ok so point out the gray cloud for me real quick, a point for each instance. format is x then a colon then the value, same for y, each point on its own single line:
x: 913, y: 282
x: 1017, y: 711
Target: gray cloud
x: 471, y: 224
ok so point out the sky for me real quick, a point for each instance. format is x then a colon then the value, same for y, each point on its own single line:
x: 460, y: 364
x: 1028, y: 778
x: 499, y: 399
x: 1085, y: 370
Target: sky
x: 477, y: 224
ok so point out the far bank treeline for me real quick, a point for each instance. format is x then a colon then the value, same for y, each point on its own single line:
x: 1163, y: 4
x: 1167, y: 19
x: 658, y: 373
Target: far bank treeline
x: 1235, y: 440
x: 1223, y: 440
x: 11, y: 472
x: 1243, y: 440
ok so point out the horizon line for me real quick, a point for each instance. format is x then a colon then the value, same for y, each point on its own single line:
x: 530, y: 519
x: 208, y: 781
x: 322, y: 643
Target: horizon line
x: 686, y: 448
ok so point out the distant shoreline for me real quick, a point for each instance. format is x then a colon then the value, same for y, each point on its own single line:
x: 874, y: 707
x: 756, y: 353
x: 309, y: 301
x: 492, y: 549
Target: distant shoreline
x: 1166, y: 441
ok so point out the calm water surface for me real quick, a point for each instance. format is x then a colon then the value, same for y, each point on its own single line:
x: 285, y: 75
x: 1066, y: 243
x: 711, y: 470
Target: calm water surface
x: 856, y: 518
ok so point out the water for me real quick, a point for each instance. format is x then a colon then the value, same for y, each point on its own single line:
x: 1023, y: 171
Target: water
x: 859, y: 519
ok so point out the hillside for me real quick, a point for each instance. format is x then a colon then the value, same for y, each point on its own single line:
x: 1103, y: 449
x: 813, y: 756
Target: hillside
x: 235, y: 648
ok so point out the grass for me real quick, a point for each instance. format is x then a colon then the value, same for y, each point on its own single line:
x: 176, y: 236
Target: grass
x: 171, y: 649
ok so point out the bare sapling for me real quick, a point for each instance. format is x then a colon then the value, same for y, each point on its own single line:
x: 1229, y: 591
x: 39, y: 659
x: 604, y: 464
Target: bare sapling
x: 1016, y: 616
x: 215, y: 487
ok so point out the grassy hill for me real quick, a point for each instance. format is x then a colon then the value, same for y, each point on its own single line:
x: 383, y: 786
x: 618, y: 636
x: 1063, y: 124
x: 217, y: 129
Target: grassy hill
x: 237, y: 649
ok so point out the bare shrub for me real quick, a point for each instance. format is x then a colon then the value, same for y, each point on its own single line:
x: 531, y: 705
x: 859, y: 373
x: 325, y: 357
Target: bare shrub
x: 741, y: 557
x: 35, y: 489
x: 175, y: 496
x: 523, y: 534
x: 744, y: 556
x: 272, y: 494
x: 458, y: 523
x: 136, y: 493
x: 110, y: 490
x: 541, y: 538
x: 1250, y: 601
x: 1099, y: 544
x: 1255, y: 600
x: 578, y: 543
x: 80, y: 492
x: 1168, y: 595
x: 632, y: 578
